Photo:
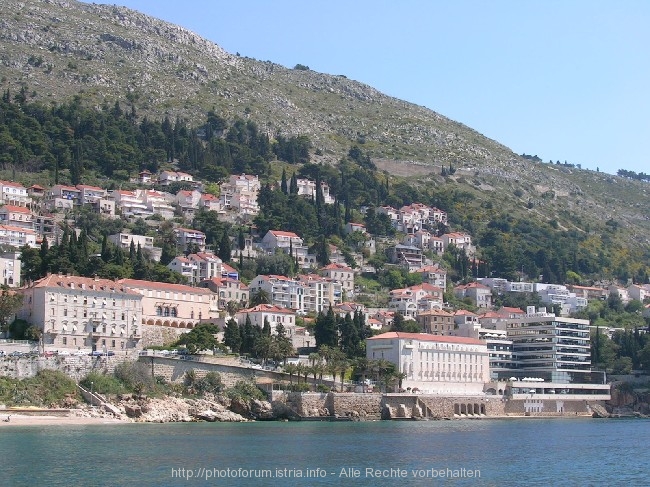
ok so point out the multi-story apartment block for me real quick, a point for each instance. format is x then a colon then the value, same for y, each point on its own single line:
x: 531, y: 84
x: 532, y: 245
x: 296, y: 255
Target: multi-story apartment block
x: 498, y: 344
x: 639, y: 292
x: 432, y: 363
x: 407, y: 301
x: 240, y: 193
x: 307, y: 187
x: 548, y: 346
x: 17, y: 216
x: 188, y: 202
x: 281, y: 291
x: 82, y: 313
x: 62, y: 198
x: 406, y: 256
x: 130, y: 203
x: 186, y: 237
x: 12, y: 193
x: 341, y: 273
x: 158, y: 203
x: 320, y: 293
x: 207, y: 264
x: 17, y: 237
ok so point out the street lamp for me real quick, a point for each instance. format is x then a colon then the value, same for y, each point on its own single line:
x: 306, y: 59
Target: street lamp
x: 92, y: 403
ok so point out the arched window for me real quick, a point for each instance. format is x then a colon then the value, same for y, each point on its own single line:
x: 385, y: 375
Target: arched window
x: 159, y: 310
x: 166, y: 310
x: 174, y: 312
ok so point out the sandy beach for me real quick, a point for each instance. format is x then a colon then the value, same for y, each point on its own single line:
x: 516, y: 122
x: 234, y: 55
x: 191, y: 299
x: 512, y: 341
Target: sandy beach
x: 35, y: 420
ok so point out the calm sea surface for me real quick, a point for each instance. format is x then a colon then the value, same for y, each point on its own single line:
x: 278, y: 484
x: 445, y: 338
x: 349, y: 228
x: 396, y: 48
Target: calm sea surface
x: 567, y: 452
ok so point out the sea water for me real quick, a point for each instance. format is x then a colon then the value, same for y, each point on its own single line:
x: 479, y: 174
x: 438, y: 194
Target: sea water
x: 544, y: 452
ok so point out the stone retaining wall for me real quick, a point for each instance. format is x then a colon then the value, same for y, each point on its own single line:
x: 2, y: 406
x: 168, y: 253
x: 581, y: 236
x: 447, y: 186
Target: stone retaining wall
x: 77, y: 367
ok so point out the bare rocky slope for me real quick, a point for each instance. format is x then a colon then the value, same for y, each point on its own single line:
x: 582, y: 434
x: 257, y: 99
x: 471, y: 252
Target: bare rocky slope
x: 59, y: 49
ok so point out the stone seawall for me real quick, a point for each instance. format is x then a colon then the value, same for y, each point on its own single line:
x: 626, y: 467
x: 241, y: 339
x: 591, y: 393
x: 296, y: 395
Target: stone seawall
x: 439, y: 407
x: 174, y: 370
x: 332, y: 404
x: 77, y: 367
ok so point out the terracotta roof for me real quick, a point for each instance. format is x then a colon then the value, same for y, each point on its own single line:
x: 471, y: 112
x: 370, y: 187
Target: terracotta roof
x: 163, y: 286
x: 267, y: 308
x: 425, y: 337
x: 280, y: 233
x: 16, y: 209
x: 91, y: 284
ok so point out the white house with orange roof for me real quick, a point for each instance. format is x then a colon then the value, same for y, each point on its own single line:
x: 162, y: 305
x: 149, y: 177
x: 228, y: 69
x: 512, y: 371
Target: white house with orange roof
x: 12, y: 193
x: 480, y: 294
x: 269, y: 312
x: 186, y: 237
x: 433, y: 274
x: 464, y: 316
x: 188, y: 201
x: 288, y: 241
x: 158, y: 203
x: 342, y: 274
x: 406, y: 301
x: 210, y: 202
x: 228, y: 290
x: 459, y: 240
x: 17, y: 236
x: 17, y: 216
x: 171, y: 309
x: 130, y: 203
x: 83, y: 313
x: 165, y: 178
x: 90, y: 194
x: 434, y: 364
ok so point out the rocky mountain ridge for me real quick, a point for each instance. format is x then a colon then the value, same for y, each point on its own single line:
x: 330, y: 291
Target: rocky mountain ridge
x: 104, y: 53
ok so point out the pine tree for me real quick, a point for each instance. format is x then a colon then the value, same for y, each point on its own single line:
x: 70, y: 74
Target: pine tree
x: 225, y: 252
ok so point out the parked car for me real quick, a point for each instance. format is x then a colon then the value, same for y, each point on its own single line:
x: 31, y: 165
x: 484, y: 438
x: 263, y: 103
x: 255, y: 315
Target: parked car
x: 96, y: 353
x: 64, y: 352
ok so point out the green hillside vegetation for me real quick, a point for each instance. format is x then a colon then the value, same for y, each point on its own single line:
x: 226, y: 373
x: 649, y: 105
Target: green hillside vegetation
x: 75, y: 144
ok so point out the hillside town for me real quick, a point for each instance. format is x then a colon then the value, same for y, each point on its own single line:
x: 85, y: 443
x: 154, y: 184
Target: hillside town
x: 443, y: 350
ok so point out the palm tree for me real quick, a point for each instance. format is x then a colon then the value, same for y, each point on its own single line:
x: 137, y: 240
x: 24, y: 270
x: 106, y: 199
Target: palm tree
x: 300, y: 368
x: 290, y: 369
x: 260, y: 297
x: 343, y: 367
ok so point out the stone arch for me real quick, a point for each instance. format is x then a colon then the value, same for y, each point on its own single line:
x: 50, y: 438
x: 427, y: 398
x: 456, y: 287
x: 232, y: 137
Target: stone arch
x: 470, y: 409
x: 182, y: 324
x: 174, y: 324
x: 149, y: 322
x: 166, y: 323
x: 159, y: 323
x: 457, y: 409
x: 463, y: 409
x: 483, y: 409
x: 477, y: 409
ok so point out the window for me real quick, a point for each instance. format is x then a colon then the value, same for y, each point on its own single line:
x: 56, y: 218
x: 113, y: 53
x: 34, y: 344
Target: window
x: 64, y: 341
x: 166, y: 310
x: 159, y: 311
x: 113, y: 343
x: 65, y: 311
x: 174, y: 312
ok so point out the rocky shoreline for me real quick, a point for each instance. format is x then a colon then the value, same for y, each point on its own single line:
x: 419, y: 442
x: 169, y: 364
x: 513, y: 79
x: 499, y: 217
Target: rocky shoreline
x: 169, y: 409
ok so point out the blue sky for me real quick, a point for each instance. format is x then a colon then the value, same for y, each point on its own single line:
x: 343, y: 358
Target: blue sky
x: 567, y: 80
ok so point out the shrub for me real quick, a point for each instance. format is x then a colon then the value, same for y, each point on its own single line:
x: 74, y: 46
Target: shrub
x: 246, y: 391
x: 103, y: 384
